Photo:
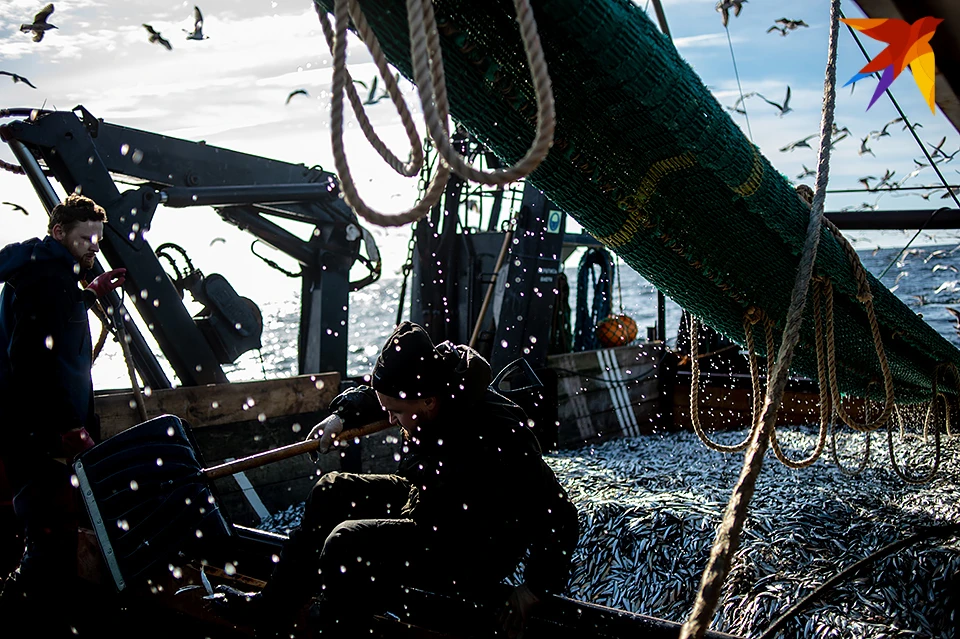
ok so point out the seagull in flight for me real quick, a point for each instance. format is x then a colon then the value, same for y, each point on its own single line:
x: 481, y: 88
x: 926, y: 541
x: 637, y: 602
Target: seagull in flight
x: 782, y: 30
x: 837, y: 131
x: 938, y: 148
x: 197, y: 33
x: 217, y: 239
x: 736, y: 105
x: 785, y: 107
x: 791, y: 25
x: 40, y: 24
x: 883, y: 132
x: 297, y: 92
x: 724, y: 7
x: 18, y: 78
x: 156, y: 37
x: 806, y: 172
x: 834, y: 141
x: 16, y: 207
x: 799, y: 143
x: 947, y: 157
x: 885, y: 180
x: 864, y: 149
x: 955, y: 313
x: 372, y: 97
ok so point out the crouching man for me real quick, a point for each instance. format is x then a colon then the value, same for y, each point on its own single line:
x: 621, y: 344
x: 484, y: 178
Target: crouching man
x: 472, y: 497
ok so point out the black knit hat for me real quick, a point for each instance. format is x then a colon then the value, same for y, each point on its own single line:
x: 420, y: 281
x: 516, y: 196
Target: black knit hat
x: 409, y: 366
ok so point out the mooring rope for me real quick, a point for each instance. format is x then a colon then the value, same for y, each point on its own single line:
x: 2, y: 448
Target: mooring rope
x: 728, y: 536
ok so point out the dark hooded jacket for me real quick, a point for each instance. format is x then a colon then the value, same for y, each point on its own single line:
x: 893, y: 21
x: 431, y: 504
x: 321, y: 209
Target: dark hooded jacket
x: 45, y: 349
x: 480, y: 486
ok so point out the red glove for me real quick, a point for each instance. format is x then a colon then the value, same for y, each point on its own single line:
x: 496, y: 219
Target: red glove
x: 106, y: 282
x: 75, y: 441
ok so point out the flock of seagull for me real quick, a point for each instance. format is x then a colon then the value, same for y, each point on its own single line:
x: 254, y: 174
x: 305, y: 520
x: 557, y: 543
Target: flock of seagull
x: 937, y: 154
x: 40, y: 26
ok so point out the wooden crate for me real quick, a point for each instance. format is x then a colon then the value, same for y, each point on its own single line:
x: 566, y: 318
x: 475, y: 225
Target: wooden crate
x: 608, y: 393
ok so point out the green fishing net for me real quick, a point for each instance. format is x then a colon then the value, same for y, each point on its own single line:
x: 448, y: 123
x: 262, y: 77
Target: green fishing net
x: 646, y: 160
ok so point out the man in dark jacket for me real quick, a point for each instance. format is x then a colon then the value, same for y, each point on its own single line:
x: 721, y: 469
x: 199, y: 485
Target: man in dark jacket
x: 472, y: 497
x: 46, y: 391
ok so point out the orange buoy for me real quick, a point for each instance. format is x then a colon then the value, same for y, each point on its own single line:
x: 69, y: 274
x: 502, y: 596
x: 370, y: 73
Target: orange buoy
x: 617, y: 330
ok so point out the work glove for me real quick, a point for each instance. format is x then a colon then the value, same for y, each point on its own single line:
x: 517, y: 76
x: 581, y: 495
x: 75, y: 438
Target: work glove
x: 325, y: 431
x: 357, y: 407
x: 106, y: 282
x: 75, y: 441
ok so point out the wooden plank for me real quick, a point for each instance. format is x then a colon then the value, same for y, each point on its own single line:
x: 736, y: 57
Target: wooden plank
x: 215, y: 404
x: 730, y: 408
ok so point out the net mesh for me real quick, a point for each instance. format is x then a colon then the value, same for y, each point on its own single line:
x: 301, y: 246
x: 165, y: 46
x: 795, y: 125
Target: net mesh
x: 647, y: 161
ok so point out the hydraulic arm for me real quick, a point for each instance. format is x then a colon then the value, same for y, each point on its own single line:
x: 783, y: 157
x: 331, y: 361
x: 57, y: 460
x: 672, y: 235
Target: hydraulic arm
x: 87, y: 155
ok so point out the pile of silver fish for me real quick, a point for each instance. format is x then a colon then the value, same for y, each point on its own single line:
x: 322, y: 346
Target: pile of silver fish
x: 650, y: 507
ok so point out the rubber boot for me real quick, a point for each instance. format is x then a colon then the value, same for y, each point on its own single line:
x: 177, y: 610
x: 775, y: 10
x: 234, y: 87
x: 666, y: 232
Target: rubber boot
x: 274, y: 610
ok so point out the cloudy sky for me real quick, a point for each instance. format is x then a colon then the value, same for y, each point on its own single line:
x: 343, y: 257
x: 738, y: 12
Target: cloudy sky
x: 230, y: 91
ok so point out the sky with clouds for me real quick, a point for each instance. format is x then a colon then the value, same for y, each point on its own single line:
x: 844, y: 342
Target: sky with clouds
x: 230, y: 90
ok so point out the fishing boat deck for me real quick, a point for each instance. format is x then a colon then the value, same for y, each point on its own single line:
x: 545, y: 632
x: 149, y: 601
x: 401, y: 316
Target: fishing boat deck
x: 649, y: 507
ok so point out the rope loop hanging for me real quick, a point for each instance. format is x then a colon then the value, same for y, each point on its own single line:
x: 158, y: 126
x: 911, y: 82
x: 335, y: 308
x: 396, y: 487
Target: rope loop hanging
x: 931, y: 410
x: 951, y: 368
x: 427, y: 62
x: 814, y: 455
x: 826, y: 412
x: 432, y: 86
x: 347, y: 184
x: 867, y: 439
x: 413, y: 165
x: 827, y: 290
x: 695, y: 390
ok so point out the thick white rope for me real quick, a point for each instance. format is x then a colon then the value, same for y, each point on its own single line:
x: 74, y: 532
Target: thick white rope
x: 429, y: 77
x: 413, y: 165
x: 423, y: 36
x: 347, y: 185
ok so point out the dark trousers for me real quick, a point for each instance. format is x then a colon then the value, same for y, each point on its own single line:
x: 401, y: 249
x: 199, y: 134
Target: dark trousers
x: 355, y: 549
x: 49, y: 510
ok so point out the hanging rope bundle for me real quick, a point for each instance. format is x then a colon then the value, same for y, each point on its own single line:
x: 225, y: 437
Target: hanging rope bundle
x: 428, y: 75
x: 590, y: 313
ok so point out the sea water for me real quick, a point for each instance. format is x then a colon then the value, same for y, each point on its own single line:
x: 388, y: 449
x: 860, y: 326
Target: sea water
x: 926, y: 279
